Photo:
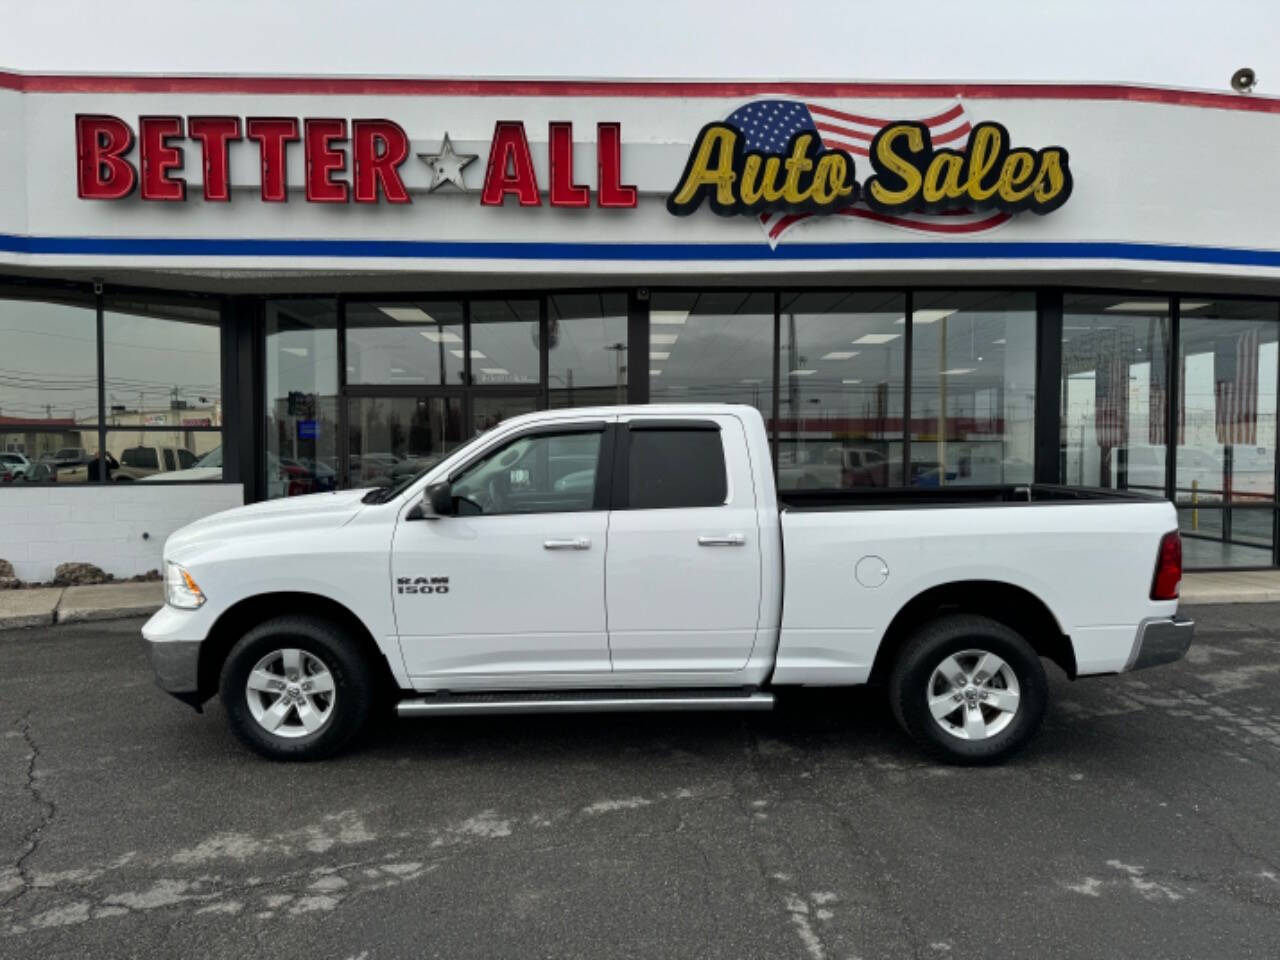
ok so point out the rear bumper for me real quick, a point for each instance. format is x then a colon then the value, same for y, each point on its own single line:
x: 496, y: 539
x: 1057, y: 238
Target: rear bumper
x: 1159, y: 641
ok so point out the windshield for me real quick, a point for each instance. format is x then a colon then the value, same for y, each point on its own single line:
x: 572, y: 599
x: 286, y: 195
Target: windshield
x: 211, y: 459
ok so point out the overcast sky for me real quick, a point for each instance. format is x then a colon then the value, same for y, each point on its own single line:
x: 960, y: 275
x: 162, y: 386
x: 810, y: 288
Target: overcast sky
x: 1191, y: 43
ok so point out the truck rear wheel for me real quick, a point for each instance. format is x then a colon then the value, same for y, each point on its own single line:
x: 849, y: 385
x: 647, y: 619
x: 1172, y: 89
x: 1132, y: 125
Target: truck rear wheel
x: 968, y: 689
x: 295, y: 688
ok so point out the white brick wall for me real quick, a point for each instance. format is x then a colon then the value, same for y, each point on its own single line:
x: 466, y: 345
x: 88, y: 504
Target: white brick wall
x: 120, y: 528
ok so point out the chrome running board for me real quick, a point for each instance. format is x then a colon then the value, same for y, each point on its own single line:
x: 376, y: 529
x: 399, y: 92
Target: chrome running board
x: 583, y: 702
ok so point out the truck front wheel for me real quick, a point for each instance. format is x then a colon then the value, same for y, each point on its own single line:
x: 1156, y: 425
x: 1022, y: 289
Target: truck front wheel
x: 968, y: 689
x: 295, y: 688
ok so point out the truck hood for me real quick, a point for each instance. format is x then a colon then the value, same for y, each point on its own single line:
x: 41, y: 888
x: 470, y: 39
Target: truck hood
x: 310, y: 512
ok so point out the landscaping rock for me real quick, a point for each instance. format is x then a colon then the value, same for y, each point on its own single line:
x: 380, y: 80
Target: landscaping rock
x: 79, y: 574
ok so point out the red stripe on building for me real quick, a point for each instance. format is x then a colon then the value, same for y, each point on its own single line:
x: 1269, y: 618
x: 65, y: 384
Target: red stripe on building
x: 390, y: 86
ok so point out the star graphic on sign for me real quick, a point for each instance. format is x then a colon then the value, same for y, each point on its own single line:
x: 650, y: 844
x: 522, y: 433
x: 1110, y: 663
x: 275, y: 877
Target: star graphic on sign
x: 447, y: 165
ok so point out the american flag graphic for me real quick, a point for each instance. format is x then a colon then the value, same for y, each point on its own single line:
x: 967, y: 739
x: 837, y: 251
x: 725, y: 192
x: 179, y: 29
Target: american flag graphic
x: 1111, y: 393
x: 1235, y: 388
x: 768, y: 125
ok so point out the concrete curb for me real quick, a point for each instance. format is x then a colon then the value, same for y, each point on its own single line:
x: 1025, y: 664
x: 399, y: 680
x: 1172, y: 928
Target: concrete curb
x: 1211, y: 598
x: 90, y: 614
x: 1247, y: 586
x: 46, y: 606
x: 29, y: 608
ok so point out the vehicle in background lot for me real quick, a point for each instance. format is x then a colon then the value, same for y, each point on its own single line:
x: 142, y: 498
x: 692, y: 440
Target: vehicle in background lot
x: 322, y: 476
x: 501, y: 582
x: 39, y: 472
x: 285, y: 478
x: 369, y: 469
x: 973, y: 466
x: 861, y: 467
x: 208, y: 467
x: 14, y: 464
x: 142, y: 461
x: 1198, y: 470
x: 67, y: 457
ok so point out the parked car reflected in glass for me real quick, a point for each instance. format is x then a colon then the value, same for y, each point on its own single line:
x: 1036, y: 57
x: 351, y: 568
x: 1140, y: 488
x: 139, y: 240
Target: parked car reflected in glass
x: 14, y: 465
x: 819, y: 465
x: 39, y: 472
x: 208, y: 467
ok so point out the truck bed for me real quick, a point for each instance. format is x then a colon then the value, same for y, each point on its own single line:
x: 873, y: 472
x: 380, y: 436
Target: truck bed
x: 880, y: 498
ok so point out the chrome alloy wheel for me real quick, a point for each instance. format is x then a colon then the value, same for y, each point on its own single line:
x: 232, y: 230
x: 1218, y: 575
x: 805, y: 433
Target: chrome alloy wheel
x: 973, y: 695
x: 290, y: 693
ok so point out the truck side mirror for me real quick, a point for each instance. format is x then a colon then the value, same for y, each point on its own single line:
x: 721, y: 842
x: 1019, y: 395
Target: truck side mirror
x: 436, y: 502
x: 440, y: 496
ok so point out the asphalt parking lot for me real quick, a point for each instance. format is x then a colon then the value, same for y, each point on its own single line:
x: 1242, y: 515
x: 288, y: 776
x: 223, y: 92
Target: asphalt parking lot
x: 1144, y: 823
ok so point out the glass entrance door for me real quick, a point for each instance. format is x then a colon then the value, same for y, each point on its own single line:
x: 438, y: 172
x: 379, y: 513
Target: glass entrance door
x: 490, y: 409
x: 392, y: 438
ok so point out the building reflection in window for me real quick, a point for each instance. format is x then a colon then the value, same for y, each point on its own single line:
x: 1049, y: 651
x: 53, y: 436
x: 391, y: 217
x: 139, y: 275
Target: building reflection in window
x: 973, y: 391
x: 841, y: 374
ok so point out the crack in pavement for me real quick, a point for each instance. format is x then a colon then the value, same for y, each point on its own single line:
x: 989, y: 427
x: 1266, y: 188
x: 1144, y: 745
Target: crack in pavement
x: 48, y: 811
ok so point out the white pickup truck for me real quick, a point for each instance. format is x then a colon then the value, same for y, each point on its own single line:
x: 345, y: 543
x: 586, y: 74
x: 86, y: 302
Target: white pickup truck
x: 633, y: 558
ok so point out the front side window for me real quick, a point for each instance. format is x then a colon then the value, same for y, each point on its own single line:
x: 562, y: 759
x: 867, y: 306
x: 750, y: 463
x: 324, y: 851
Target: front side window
x: 676, y: 468
x: 539, y: 473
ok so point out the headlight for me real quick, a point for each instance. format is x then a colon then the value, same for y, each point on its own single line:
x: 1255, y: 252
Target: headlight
x: 179, y: 589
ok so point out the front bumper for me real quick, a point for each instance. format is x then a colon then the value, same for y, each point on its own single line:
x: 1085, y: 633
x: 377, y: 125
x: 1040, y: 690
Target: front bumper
x: 175, y: 658
x: 1159, y: 641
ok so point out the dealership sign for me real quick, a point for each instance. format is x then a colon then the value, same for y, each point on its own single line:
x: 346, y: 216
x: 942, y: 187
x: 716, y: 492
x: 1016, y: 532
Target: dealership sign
x: 779, y: 161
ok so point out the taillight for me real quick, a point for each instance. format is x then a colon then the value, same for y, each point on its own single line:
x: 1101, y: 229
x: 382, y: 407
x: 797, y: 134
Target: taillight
x: 1168, y: 568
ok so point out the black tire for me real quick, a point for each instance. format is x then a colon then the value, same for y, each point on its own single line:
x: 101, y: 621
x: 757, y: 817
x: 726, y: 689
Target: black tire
x: 353, y: 684
x: 909, y: 687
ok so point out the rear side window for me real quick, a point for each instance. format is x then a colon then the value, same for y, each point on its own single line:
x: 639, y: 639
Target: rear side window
x: 676, y: 468
x: 169, y: 462
x: 143, y: 458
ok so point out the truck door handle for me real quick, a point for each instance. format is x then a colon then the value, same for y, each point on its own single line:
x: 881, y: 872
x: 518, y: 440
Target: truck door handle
x: 723, y: 540
x: 577, y: 543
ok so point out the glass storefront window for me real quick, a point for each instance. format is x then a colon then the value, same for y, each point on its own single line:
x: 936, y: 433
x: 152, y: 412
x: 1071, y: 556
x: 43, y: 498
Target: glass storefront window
x: 48, y: 372
x: 487, y: 411
x: 1227, y: 433
x: 163, y: 364
x: 405, y: 343
x: 393, y: 438
x: 715, y: 346
x: 504, y: 342
x: 1115, y: 393
x: 587, y: 349
x: 1231, y: 537
x: 973, y: 387
x: 161, y: 456
x: 301, y: 396
x: 840, y: 391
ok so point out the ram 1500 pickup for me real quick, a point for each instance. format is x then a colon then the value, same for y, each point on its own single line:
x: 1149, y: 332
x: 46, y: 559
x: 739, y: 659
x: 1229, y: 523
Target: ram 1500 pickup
x: 640, y: 558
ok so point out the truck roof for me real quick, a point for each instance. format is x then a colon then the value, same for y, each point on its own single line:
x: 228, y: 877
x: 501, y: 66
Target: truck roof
x: 649, y: 409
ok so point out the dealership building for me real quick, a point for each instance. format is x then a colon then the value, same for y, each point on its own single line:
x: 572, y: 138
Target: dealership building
x: 222, y: 290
